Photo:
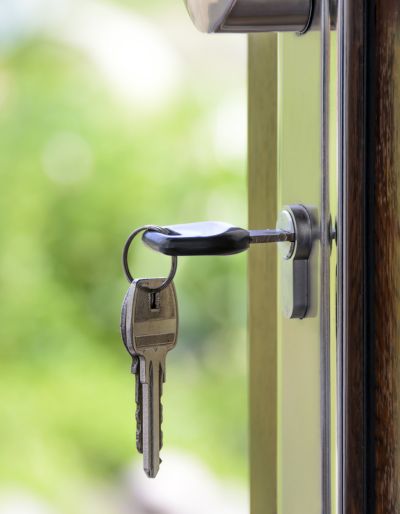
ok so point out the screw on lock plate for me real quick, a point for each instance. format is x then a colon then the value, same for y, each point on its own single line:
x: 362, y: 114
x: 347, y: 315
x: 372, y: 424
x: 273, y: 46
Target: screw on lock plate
x: 293, y: 233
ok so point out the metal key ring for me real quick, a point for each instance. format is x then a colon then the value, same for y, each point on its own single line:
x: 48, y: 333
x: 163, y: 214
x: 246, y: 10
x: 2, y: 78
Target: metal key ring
x: 174, y: 259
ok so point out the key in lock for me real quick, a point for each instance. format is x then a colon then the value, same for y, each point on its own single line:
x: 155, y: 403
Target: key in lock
x: 294, y: 234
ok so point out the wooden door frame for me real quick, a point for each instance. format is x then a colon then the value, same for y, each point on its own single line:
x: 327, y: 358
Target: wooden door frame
x: 369, y: 253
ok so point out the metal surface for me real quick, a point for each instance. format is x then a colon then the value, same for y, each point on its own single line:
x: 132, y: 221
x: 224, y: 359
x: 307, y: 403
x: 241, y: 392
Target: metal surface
x: 250, y: 15
x: 294, y: 268
x: 300, y: 427
x: 134, y: 370
x: 285, y: 222
x: 125, y: 253
x: 306, y: 470
x: 215, y: 238
x: 342, y: 236
x: 325, y: 275
x: 351, y: 302
x: 149, y: 326
x: 272, y: 236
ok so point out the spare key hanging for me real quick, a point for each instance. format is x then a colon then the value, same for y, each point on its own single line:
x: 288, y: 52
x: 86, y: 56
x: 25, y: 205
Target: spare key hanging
x: 149, y: 326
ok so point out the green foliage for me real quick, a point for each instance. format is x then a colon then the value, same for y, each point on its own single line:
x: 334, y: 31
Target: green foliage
x: 66, y: 404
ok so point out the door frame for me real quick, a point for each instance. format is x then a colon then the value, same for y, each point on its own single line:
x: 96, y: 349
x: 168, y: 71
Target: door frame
x: 262, y: 270
x: 369, y: 256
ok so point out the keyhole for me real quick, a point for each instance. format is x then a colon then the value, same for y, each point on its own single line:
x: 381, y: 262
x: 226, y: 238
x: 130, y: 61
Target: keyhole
x: 154, y: 301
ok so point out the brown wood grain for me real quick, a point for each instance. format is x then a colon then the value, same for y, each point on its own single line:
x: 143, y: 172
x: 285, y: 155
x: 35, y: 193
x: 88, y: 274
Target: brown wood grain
x: 371, y: 241
x: 384, y: 103
x: 354, y: 358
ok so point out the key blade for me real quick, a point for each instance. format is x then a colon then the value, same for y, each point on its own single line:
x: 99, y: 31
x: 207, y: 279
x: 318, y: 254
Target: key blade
x: 152, y: 376
x: 152, y: 331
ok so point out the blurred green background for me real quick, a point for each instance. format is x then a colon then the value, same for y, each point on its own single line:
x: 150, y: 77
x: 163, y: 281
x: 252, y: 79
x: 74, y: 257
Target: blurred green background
x: 114, y: 115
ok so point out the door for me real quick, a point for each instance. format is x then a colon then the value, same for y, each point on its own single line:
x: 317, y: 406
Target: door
x: 341, y: 454
x: 324, y: 118
x: 298, y: 380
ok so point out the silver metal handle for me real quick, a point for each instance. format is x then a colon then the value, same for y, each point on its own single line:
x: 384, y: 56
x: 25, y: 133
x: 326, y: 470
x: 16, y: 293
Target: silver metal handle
x: 251, y: 15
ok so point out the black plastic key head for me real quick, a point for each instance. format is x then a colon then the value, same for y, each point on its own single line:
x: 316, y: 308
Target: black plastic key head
x: 205, y: 238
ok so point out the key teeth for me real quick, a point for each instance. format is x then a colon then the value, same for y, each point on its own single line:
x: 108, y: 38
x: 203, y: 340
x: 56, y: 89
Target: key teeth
x: 135, y: 365
x: 139, y: 435
x: 139, y: 429
x: 139, y: 443
x: 161, y: 380
x: 161, y: 432
x: 138, y: 399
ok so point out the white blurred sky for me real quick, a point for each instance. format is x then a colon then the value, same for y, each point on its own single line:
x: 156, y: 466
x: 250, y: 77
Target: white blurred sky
x: 147, y: 61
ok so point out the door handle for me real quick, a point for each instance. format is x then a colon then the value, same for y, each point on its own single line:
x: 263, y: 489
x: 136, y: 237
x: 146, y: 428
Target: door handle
x: 251, y: 15
x: 293, y: 233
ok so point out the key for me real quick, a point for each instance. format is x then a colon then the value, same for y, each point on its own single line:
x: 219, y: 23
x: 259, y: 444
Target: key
x: 210, y: 238
x: 138, y: 401
x: 151, y: 332
x: 134, y: 369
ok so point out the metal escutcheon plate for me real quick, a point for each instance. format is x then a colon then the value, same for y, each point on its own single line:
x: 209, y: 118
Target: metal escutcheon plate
x: 294, y: 264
